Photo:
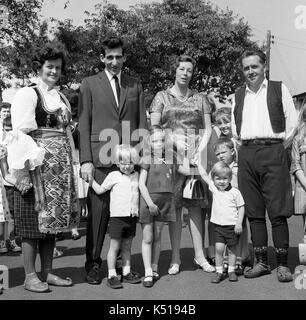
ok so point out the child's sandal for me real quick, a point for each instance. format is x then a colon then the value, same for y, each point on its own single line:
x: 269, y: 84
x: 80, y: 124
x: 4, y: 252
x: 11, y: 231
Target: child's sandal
x: 156, y: 276
x: 147, y: 281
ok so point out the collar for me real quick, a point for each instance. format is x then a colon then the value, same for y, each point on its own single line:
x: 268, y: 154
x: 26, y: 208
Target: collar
x: 44, y: 87
x: 264, y: 84
x: 233, y: 165
x: 110, y: 76
x: 228, y: 188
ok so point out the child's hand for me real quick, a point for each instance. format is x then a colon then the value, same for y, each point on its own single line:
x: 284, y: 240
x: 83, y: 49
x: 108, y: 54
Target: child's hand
x: 302, y: 148
x: 154, y: 211
x: 238, y: 228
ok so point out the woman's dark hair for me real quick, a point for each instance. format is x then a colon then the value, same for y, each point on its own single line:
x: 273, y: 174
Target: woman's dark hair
x: 51, y: 51
x: 113, y: 43
x: 182, y: 58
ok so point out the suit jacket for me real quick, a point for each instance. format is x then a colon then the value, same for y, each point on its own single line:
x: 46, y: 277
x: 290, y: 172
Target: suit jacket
x: 98, y: 111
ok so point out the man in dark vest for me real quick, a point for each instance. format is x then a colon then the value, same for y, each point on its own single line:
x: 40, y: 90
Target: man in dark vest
x: 264, y: 119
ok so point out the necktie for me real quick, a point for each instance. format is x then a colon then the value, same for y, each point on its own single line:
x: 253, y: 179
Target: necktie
x: 117, y: 88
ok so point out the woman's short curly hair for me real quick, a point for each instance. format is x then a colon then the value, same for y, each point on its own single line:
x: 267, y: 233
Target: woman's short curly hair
x: 182, y: 58
x: 51, y: 51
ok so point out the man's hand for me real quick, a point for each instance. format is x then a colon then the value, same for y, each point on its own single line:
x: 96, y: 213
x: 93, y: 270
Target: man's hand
x: 238, y: 228
x: 154, y: 211
x: 87, y: 171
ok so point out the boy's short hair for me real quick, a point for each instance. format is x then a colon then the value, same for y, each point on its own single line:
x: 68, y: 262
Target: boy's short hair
x: 224, y: 113
x: 125, y: 152
x: 221, y: 168
x: 5, y: 105
x: 224, y: 141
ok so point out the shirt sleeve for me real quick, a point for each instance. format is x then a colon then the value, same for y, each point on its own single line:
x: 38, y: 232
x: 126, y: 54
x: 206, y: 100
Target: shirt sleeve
x: 239, y: 199
x: 212, y: 187
x: 296, y: 157
x: 23, y: 110
x: 206, y: 105
x: 291, y: 115
x: 233, y: 124
x: 157, y: 104
x: 110, y: 180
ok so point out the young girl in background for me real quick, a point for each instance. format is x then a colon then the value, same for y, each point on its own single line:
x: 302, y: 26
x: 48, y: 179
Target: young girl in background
x: 298, y: 167
x: 157, y: 206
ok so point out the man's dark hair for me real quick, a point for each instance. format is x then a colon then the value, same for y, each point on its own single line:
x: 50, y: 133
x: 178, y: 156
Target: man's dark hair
x: 113, y: 43
x: 253, y: 52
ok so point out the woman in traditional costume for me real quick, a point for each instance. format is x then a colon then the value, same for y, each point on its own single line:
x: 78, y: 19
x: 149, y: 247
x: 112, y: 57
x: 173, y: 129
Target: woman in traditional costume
x: 41, y: 118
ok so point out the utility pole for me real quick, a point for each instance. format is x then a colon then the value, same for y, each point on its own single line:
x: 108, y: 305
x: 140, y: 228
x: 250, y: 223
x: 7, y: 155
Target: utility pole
x: 268, y: 54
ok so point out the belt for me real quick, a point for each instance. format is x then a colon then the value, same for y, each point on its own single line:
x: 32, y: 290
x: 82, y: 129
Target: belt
x: 261, y: 142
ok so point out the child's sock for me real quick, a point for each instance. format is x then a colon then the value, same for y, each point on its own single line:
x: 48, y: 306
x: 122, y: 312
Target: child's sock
x: 148, y: 272
x: 154, y: 267
x: 219, y: 269
x: 112, y: 273
x: 231, y: 269
x: 126, y: 270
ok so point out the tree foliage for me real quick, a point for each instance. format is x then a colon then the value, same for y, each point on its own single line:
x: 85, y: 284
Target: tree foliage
x: 156, y: 33
x: 159, y: 32
x: 19, y: 36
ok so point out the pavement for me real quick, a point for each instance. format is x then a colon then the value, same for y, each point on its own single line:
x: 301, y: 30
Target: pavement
x: 190, y: 284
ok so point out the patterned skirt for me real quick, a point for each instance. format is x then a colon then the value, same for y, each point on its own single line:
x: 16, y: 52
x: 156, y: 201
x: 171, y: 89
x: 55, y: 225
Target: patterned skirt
x: 61, y: 204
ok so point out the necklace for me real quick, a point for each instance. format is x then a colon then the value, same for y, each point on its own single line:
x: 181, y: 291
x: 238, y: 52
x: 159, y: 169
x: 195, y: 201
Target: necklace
x: 181, y: 97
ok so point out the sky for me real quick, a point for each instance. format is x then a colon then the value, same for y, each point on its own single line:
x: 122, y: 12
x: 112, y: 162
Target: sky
x: 285, y: 18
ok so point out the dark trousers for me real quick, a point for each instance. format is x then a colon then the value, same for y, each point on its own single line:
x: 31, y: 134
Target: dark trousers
x: 265, y: 184
x: 97, y: 220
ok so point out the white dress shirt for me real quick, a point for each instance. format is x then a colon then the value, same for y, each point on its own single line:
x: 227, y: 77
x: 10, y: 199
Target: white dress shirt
x: 24, y: 105
x: 113, y: 83
x: 256, y: 122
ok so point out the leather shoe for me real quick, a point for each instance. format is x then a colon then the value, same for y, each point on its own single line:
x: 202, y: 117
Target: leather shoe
x: 218, y: 277
x: 239, y: 269
x: 93, y: 276
x: 54, y: 280
x: 147, y: 282
x: 33, y: 284
x: 284, y: 274
x: 114, y: 283
x: 232, y: 276
x: 131, y: 278
x: 260, y: 269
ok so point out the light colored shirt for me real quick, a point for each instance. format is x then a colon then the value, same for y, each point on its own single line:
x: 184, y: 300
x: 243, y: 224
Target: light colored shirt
x: 24, y: 105
x: 256, y: 122
x: 224, y: 211
x: 123, y: 188
x: 113, y: 83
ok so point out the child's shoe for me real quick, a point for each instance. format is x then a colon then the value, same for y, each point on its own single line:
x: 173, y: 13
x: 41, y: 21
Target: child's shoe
x: 3, y: 247
x: 232, y: 277
x: 131, y: 278
x: 13, y: 246
x: 114, y: 283
x: 218, y: 277
x: 239, y: 269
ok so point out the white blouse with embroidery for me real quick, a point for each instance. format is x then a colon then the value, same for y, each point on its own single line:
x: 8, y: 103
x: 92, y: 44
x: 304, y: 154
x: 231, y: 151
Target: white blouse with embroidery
x: 24, y: 104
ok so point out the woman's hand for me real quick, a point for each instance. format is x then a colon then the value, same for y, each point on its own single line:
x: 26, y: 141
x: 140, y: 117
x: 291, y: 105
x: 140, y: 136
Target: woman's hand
x: 23, y: 184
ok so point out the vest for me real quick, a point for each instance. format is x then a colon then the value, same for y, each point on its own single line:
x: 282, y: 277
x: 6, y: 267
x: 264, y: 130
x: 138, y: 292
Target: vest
x: 44, y: 118
x: 274, y: 102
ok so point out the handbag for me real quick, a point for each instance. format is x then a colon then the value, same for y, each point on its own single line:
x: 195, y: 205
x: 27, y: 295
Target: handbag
x: 194, y: 189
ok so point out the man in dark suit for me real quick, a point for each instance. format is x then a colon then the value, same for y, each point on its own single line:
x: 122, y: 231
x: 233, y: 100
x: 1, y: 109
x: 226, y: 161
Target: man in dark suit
x: 111, y: 107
